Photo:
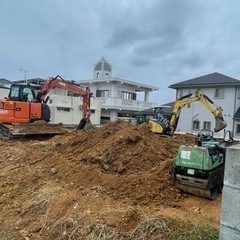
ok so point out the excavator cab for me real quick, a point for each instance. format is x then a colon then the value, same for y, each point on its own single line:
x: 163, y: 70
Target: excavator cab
x: 22, y: 93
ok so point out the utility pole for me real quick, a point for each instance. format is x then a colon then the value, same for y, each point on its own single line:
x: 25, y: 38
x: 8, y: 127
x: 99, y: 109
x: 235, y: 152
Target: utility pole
x: 25, y: 73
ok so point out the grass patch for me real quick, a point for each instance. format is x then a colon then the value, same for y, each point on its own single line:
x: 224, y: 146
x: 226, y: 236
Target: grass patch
x: 151, y: 229
x: 192, y: 231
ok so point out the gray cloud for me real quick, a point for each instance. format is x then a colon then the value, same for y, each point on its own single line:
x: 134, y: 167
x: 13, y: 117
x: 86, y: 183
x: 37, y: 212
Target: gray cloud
x: 158, y: 42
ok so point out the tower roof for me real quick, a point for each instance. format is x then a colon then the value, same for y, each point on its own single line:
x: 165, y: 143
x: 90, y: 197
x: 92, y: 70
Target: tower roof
x: 103, y: 64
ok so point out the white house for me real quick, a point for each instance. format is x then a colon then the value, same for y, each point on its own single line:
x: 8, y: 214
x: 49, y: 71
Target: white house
x: 66, y: 108
x: 4, y: 91
x: 4, y: 87
x: 118, y: 97
x: 224, y: 91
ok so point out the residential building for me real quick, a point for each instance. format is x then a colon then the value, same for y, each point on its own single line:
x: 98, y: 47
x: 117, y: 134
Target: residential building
x: 4, y: 90
x: 4, y: 87
x: 118, y: 97
x: 224, y: 91
x: 66, y: 108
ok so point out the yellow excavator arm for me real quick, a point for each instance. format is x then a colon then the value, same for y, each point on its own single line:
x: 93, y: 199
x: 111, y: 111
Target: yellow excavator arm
x: 169, y: 127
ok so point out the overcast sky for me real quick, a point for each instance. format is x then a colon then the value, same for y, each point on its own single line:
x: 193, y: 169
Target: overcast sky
x: 155, y: 42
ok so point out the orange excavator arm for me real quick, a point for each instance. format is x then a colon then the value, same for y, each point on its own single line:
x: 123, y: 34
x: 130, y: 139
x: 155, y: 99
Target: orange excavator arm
x: 59, y: 82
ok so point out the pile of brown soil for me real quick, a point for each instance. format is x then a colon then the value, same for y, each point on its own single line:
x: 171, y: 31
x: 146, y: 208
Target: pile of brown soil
x: 89, y: 176
x: 38, y: 128
x: 128, y: 162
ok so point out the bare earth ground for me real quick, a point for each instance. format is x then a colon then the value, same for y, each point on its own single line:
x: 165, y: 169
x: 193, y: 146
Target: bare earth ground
x: 113, y: 175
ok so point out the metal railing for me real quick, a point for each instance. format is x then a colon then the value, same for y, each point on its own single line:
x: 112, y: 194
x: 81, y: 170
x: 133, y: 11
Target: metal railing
x: 121, y: 103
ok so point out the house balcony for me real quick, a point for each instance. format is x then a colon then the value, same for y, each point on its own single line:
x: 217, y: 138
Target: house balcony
x: 125, y: 104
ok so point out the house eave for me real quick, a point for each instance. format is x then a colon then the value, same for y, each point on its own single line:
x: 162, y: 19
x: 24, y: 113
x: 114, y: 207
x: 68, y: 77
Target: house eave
x: 139, y: 87
x: 209, y: 85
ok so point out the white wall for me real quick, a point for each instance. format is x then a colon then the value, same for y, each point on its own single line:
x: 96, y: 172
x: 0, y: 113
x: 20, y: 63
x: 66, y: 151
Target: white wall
x: 3, y: 93
x: 59, y: 104
x: 114, y: 87
x: 230, y: 212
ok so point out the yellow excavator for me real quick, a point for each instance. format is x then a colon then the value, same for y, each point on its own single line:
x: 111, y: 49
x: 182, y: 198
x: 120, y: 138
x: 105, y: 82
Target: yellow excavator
x: 163, y: 126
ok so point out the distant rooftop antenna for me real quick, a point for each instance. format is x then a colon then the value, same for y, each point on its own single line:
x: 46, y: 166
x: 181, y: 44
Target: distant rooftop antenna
x: 25, y: 73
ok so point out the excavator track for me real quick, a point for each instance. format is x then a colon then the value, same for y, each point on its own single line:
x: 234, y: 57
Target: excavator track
x: 11, y: 131
x: 5, y: 131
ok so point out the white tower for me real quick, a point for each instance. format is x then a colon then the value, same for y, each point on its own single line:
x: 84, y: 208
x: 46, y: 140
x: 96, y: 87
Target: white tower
x: 102, y: 69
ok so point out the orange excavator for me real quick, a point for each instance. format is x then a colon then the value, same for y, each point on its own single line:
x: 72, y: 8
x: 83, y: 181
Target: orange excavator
x: 25, y: 110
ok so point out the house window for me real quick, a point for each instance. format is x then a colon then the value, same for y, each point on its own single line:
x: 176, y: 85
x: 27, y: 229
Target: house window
x: 123, y: 115
x: 238, y: 92
x: 127, y: 115
x: 196, y: 125
x: 63, y: 109
x: 104, y: 120
x: 180, y: 94
x: 102, y: 93
x: 71, y: 94
x: 98, y: 75
x: 238, y: 129
x: 128, y: 95
x: 207, y: 125
x: 219, y: 93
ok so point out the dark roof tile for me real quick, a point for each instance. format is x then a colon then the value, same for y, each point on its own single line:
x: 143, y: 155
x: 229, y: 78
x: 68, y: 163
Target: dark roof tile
x: 4, y: 81
x: 213, y: 79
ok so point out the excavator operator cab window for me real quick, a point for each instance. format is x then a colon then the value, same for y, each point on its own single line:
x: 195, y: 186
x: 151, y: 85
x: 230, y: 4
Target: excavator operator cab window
x: 27, y: 94
x: 14, y: 93
x: 21, y: 93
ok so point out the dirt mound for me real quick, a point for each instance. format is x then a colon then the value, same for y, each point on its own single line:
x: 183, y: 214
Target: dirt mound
x: 38, y: 127
x: 85, y: 177
x: 120, y: 147
x: 127, y: 161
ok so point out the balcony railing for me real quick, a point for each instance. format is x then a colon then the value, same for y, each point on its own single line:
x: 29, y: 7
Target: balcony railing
x: 127, y: 104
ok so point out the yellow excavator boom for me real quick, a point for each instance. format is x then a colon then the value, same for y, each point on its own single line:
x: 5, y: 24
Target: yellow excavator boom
x: 170, y: 127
